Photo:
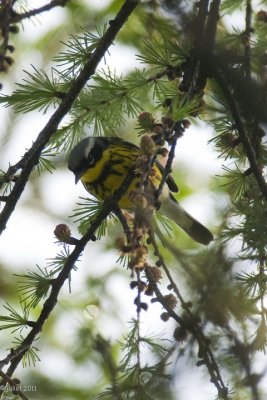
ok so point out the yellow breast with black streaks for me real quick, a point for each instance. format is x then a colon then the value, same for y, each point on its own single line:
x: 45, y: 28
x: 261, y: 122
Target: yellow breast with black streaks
x: 108, y: 174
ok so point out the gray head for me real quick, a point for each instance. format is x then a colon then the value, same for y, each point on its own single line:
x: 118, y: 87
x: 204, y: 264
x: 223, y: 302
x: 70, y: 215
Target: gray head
x: 85, y: 155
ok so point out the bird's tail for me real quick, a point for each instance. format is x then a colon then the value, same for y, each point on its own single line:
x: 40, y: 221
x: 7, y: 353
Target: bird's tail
x: 175, y: 212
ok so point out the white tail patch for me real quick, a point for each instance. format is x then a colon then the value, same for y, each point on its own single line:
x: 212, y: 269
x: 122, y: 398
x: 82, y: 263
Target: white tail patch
x: 175, y: 212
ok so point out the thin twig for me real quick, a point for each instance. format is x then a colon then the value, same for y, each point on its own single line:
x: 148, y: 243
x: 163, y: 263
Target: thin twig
x: 164, y: 266
x: 178, y: 254
x: 16, y: 17
x: 103, y: 347
x: 138, y: 338
x: 242, y: 352
x: 124, y: 223
x: 167, y: 168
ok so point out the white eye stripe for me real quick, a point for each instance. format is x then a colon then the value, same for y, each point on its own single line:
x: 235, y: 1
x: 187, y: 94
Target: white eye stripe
x: 88, y: 148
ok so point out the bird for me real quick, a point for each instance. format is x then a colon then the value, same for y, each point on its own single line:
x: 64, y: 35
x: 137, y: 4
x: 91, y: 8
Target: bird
x: 103, y: 163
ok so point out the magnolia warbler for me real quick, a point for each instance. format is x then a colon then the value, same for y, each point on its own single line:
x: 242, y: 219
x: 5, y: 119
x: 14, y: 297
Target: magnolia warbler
x: 103, y: 163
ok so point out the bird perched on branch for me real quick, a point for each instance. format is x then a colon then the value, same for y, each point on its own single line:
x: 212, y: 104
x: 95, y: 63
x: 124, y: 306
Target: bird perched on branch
x: 103, y: 163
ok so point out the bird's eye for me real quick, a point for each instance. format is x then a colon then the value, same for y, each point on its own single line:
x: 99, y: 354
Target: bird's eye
x: 90, y: 159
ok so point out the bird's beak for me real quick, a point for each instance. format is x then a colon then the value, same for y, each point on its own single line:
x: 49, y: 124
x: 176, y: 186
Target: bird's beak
x: 77, y: 177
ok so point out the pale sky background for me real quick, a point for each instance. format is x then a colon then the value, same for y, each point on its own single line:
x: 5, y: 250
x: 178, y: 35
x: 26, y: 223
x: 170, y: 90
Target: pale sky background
x: 32, y: 230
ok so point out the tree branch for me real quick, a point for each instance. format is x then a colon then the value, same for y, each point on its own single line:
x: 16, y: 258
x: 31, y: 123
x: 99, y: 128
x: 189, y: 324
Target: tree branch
x: 31, y: 157
x: 15, y: 355
x: 243, y: 353
x: 15, y: 17
x: 14, y: 385
x: 5, y: 29
x: 222, y: 81
x: 207, y: 50
x: 191, y: 324
x: 191, y: 71
x: 248, y: 30
x: 198, y: 70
